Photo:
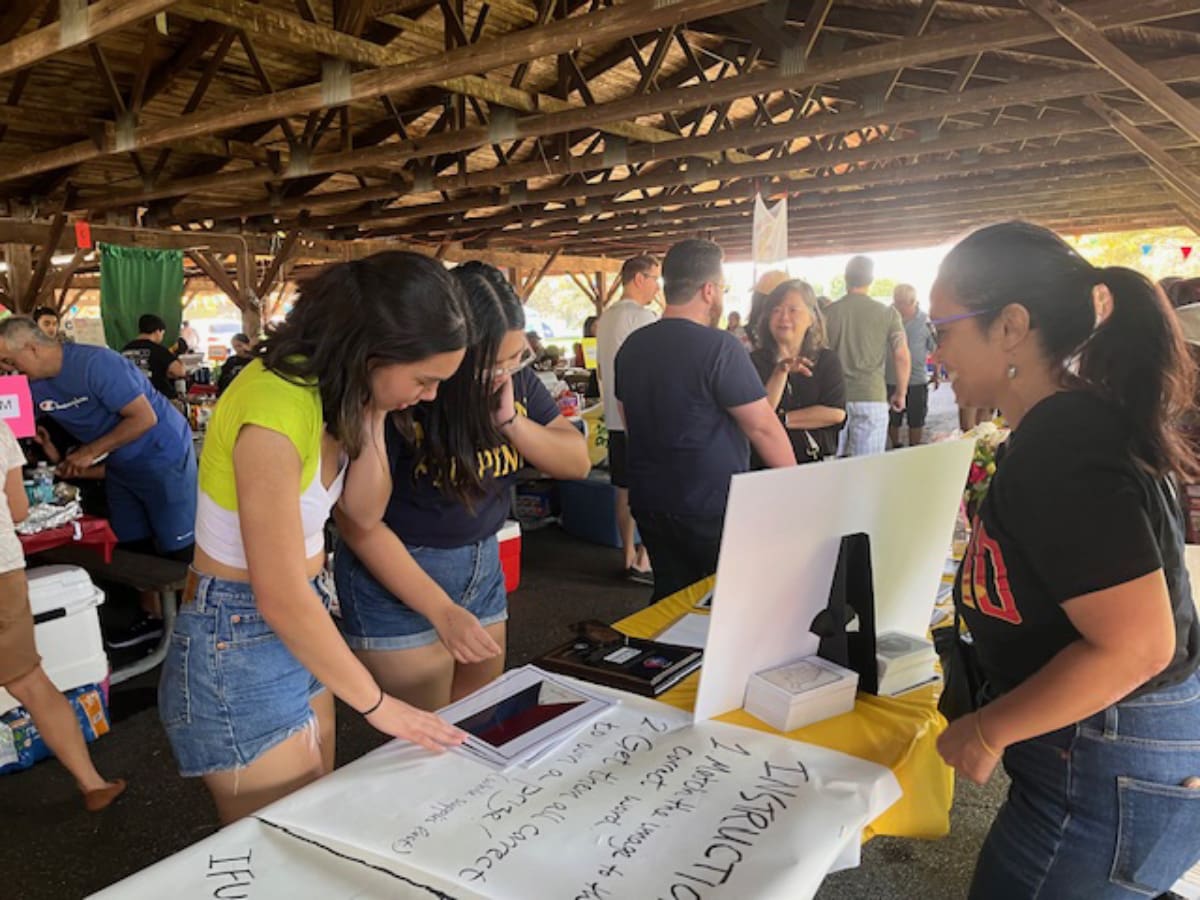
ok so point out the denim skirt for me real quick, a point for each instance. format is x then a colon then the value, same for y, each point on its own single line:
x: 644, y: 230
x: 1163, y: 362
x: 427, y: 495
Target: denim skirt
x: 230, y: 689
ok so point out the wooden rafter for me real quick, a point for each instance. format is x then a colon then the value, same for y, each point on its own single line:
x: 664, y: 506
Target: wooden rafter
x: 865, y: 113
x: 277, y: 262
x: 34, y: 288
x: 845, y: 65
x: 1178, y: 177
x: 1091, y: 40
x: 102, y: 17
x: 605, y: 24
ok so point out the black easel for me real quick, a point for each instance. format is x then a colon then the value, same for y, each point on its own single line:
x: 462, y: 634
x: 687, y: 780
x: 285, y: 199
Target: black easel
x: 852, y: 595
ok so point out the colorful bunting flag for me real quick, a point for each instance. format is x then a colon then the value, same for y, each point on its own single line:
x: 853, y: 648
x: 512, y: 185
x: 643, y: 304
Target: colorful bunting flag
x: 1186, y: 251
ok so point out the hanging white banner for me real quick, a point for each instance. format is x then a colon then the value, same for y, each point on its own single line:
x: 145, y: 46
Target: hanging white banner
x: 770, y: 242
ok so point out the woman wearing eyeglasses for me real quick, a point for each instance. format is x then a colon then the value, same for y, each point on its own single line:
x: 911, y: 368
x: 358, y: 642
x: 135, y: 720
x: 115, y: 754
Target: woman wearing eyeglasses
x: 422, y: 594
x: 803, y: 377
x: 1074, y: 586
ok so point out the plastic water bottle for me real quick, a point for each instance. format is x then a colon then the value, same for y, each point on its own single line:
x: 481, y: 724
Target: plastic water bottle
x: 43, y: 484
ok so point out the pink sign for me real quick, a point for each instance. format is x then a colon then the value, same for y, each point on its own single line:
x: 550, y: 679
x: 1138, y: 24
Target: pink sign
x: 16, y: 405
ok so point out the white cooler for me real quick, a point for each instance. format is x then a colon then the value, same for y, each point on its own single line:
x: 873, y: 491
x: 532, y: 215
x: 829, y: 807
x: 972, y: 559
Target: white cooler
x: 67, y: 628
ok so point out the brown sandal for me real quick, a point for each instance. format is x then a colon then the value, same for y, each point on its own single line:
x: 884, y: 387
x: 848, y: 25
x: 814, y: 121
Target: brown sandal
x: 94, y: 801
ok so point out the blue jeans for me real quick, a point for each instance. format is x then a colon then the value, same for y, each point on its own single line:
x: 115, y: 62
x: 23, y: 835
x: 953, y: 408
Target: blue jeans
x: 230, y: 690
x: 373, y: 619
x: 1097, y: 810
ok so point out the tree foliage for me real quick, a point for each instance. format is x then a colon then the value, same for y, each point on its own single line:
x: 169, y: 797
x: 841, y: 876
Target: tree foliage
x: 560, y: 302
x: 1125, y: 249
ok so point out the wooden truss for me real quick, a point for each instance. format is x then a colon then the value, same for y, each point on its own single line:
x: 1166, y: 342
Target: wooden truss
x: 556, y: 136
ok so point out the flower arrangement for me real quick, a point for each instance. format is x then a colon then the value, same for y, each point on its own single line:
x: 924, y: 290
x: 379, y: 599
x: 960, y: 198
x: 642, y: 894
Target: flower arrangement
x: 988, y: 438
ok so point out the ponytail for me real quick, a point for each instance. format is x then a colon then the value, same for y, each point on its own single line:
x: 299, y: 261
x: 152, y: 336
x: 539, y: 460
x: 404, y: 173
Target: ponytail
x: 1138, y: 360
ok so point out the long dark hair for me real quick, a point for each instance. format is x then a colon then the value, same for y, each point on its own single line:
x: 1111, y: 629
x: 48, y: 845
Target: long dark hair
x: 814, y: 339
x: 1136, y: 358
x: 458, y: 423
x: 392, y: 307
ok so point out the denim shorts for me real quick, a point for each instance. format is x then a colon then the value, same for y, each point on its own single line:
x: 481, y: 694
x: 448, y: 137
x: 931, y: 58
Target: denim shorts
x: 230, y: 690
x: 373, y: 619
x: 1098, y: 810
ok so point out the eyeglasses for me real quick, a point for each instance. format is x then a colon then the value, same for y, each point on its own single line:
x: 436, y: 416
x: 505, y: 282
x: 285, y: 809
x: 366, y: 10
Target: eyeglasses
x: 934, y: 324
x: 523, y: 361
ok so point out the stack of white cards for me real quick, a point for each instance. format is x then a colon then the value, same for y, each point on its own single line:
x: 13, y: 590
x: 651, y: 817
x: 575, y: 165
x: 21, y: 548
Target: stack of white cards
x: 905, y: 662
x: 521, y: 716
x: 800, y: 693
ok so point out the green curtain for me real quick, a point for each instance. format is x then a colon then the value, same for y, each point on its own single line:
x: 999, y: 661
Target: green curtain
x: 135, y: 281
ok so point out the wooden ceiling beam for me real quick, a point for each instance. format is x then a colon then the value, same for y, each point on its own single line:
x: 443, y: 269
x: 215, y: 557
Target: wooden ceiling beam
x: 605, y: 25
x: 976, y: 99
x: 795, y: 165
x: 999, y: 205
x: 810, y: 205
x: 1091, y: 40
x: 867, y: 60
x: 100, y: 18
x: 1185, y: 68
x: 17, y: 14
x: 37, y: 233
x: 286, y: 31
x: 1185, y: 182
x: 860, y: 235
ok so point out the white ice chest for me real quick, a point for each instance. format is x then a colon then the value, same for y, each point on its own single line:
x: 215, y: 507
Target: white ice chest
x: 67, y: 628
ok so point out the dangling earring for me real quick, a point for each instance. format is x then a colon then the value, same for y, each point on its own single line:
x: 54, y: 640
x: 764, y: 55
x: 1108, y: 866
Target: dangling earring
x: 1011, y: 371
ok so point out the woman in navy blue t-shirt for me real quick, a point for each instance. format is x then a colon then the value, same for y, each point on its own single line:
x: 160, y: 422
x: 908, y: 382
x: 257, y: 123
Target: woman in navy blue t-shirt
x: 422, y: 593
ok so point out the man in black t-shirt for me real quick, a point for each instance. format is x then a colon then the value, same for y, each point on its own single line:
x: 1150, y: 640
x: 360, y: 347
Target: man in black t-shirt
x: 147, y: 352
x: 242, y: 356
x: 692, y: 404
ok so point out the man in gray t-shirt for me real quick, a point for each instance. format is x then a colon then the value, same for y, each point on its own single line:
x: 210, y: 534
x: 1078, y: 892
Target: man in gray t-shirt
x: 920, y: 344
x: 863, y: 333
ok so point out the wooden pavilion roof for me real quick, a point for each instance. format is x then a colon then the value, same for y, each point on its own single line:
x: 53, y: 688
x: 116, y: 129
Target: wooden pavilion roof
x: 592, y: 128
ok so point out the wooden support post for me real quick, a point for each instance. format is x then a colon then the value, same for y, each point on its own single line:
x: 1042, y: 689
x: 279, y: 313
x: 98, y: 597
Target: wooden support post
x: 20, y: 271
x: 251, y: 305
x: 601, y: 292
x: 28, y: 300
x: 281, y: 257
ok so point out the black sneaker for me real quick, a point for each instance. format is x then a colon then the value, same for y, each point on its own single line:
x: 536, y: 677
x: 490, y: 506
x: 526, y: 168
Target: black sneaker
x: 144, y: 630
x: 640, y: 576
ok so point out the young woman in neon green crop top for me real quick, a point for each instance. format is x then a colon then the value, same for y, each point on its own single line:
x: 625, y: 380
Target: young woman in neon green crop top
x: 245, y: 694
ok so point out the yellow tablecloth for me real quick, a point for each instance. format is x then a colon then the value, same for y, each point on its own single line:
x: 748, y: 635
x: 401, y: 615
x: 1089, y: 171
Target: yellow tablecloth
x: 897, y: 732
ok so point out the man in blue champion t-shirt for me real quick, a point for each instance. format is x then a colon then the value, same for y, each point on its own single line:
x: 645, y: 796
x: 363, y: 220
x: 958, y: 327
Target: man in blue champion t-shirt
x: 109, y: 406
x: 693, y: 404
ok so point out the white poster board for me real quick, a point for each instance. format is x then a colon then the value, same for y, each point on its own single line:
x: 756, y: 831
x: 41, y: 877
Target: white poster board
x: 783, y: 528
x: 640, y: 803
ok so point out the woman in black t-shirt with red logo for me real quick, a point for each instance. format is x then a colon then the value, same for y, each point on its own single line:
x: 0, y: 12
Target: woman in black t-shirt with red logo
x: 1073, y: 585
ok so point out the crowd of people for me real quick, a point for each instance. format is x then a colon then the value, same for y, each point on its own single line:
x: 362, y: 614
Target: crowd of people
x: 399, y: 398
